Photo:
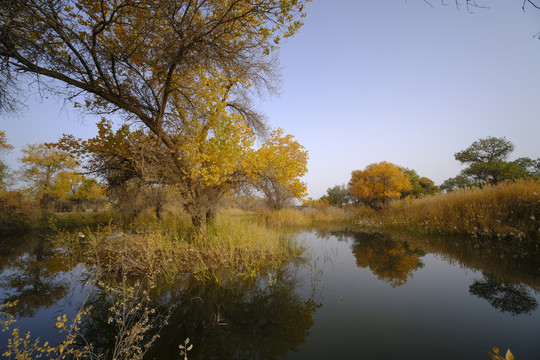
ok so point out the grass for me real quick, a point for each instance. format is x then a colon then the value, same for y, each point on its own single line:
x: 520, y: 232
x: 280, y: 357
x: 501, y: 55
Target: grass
x: 309, y: 217
x: 247, y: 244
x: 233, y: 246
x: 509, y: 209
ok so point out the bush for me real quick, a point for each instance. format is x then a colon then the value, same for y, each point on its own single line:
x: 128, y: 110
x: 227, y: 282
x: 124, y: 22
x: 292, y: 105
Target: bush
x: 17, y: 214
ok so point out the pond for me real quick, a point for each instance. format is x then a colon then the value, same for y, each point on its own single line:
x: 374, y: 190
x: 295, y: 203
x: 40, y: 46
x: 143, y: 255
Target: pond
x: 357, y: 295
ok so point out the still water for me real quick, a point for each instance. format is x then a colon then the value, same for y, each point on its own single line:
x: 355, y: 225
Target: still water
x: 357, y: 295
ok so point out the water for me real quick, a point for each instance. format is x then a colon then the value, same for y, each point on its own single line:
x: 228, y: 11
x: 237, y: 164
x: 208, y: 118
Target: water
x: 356, y: 296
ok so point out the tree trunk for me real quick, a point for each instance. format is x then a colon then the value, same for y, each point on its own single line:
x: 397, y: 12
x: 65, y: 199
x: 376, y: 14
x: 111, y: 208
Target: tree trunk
x: 199, y: 221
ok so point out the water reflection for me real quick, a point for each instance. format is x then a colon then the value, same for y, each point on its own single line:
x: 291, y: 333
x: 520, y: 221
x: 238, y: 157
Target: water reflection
x: 511, y: 260
x: 504, y: 296
x: 391, y: 260
x: 32, y: 278
x: 240, y: 320
x: 511, y: 269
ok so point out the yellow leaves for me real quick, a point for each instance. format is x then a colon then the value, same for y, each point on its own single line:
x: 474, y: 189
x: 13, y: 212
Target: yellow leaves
x: 23, y: 347
x: 380, y: 181
x: 496, y: 356
x: 61, y: 322
x: 283, y: 159
x: 3, y: 141
x: 49, y: 168
x: 214, y: 149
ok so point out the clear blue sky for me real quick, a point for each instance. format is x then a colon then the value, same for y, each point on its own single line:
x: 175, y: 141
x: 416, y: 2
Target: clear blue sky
x: 372, y: 80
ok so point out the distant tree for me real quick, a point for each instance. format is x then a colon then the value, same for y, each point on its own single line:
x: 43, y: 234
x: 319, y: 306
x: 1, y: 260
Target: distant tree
x: 455, y: 183
x: 378, y: 184
x: 485, y: 151
x: 338, y: 195
x: 486, y: 160
x: 487, y: 164
x: 50, y: 172
x: 530, y: 167
x: 420, y: 186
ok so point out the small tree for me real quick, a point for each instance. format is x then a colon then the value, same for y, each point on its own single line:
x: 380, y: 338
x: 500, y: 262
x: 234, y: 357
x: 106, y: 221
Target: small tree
x: 378, y: 184
x: 338, y: 195
x: 282, y: 161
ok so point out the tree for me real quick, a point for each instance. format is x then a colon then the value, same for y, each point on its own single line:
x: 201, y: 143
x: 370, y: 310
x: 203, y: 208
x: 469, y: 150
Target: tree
x: 173, y: 66
x: 218, y: 155
x: 378, y: 183
x: 530, y: 167
x: 485, y: 150
x: 455, y: 183
x: 338, y: 195
x: 487, y: 164
x: 282, y: 161
x: 420, y: 186
x: 486, y: 160
x: 50, y: 172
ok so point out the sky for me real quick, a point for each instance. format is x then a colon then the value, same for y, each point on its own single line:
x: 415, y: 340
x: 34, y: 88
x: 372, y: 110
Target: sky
x: 366, y: 81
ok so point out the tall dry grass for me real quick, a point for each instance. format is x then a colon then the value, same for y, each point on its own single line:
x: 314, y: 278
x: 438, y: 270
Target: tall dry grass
x: 233, y: 246
x: 507, y: 209
x: 308, y: 217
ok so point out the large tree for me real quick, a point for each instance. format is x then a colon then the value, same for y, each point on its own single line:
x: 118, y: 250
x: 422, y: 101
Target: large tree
x: 219, y: 156
x: 170, y: 65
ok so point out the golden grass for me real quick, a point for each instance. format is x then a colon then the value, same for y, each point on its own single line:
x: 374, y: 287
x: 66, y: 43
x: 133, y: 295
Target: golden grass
x: 233, y: 246
x: 316, y: 216
x: 507, y: 209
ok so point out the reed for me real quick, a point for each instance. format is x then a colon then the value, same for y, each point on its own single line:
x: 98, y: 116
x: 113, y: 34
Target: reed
x: 232, y: 246
x: 508, y: 209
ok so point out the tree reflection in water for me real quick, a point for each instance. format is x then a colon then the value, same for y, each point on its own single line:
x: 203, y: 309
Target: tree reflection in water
x: 33, y: 279
x: 503, y: 295
x: 392, y: 261
x: 240, y: 320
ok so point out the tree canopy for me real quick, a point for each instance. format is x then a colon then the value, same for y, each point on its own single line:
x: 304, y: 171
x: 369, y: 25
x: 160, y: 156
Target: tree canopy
x: 487, y: 163
x: 183, y: 72
x: 378, y: 183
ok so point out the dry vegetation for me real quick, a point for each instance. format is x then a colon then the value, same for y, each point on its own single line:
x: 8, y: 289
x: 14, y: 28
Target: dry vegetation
x: 508, y: 209
x: 233, y: 246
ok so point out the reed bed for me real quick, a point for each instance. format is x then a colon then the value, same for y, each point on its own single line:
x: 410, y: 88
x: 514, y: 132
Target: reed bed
x: 508, y: 209
x: 308, y: 217
x: 233, y: 246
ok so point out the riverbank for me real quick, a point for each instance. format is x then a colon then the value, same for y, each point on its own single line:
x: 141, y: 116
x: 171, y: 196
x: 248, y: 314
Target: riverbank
x: 510, y: 210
